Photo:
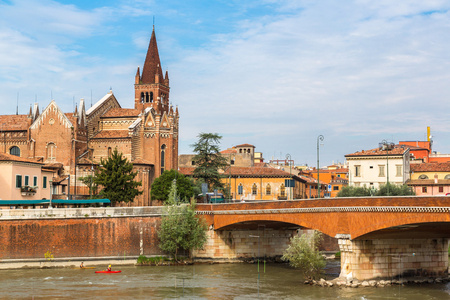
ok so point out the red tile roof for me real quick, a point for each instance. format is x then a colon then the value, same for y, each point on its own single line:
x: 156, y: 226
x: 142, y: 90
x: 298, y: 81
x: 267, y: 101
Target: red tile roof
x: 378, y: 152
x: 228, y: 151
x: 112, y: 134
x: 121, y: 112
x: 245, y: 145
x: 9, y: 157
x: 14, y: 122
x: 431, y: 167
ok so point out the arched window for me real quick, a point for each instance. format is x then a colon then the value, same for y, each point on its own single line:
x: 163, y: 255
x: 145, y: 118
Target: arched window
x: 282, y: 190
x: 146, y: 97
x: 254, y: 189
x: 142, y: 97
x: 447, y: 176
x: 163, y: 157
x: 151, y: 97
x: 423, y: 176
x: 14, y: 151
x: 268, y: 189
x: 51, y: 151
x: 109, y: 152
x: 240, y: 189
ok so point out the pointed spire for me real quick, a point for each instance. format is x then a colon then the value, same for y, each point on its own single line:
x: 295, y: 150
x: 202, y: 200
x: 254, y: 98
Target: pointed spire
x: 76, y: 111
x: 166, y: 78
x: 152, y: 65
x: 30, y: 114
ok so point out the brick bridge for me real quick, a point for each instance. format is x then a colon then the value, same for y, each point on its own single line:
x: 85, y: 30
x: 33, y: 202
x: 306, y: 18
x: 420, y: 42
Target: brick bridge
x: 379, y: 237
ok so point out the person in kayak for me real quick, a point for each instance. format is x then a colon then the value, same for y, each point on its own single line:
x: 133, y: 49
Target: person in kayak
x: 82, y: 265
x: 109, y: 268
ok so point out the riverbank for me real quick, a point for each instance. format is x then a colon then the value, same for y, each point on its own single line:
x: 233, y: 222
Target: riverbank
x: 73, y: 262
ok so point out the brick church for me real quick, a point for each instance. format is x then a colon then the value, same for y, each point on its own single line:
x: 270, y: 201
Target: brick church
x: 72, y: 144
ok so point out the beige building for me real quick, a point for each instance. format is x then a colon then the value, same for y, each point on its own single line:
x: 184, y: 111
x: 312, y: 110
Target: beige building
x: 24, y: 179
x: 373, y: 168
x: 430, y: 179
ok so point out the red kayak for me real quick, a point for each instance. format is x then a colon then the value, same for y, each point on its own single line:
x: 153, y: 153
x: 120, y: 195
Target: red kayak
x: 108, y: 271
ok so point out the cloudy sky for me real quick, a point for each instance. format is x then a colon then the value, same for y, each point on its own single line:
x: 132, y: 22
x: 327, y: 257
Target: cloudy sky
x: 275, y: 74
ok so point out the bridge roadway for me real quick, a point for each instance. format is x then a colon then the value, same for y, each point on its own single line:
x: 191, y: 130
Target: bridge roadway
x: 378, y: 236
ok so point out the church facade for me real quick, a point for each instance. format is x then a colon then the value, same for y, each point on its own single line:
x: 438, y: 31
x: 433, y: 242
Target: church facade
x: 73, y: 144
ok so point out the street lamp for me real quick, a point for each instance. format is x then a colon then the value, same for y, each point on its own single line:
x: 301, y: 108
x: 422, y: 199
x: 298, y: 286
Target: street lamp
x: 319, y: 139
x: 288, y: 158
x: 385, y: 145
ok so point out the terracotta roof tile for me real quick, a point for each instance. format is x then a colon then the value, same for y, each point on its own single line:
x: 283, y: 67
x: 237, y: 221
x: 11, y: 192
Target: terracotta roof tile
x: 431, y: 167
x: 228, y: 151
x: 9, y: 157
x: 14, y: 122
x: 112, y: 134
x: 378, y: 152
x: 245, y: 145
x: 121, y: 112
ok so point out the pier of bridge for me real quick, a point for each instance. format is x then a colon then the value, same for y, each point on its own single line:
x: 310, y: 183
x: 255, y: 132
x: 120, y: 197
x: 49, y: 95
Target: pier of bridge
x: 379, y: 237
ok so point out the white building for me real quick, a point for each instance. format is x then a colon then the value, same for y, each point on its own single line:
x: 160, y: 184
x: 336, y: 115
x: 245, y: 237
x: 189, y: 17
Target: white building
x: 372, y: 168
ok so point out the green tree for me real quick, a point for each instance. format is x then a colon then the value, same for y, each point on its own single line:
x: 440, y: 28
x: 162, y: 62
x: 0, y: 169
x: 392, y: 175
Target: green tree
x: 208, y: 160
x: 353, y: 191
x: 395, y: 190
x: 116, y: 177
x: 303, y: 253
x: 181, y: 230
x: 162, y: 185
x: 90, y: 183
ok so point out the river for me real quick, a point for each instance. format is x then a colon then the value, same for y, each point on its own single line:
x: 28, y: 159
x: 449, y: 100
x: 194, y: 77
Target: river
x: 204, y: 281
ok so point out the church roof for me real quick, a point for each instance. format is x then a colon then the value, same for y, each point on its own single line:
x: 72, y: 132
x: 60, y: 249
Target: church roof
x: 111, y: 134
x: 121, y: 112
x: 14, y: 122
x: 152, y: 65
x: 99, y: 103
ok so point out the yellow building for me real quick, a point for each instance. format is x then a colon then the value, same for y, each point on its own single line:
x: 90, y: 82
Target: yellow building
x: 430, y: 178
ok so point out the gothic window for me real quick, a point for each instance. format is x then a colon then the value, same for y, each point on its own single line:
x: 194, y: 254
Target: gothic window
x: 14, y: 151
x: 268, y: 189
x: 163, y: 157
x: 282, y: 190
x: 240, y: 189
x: 142, y: 97
x: 151, y: 97
x: 51, y: 151
x: 423, y: 176
x: 254, y: 189
x: 146, y: 97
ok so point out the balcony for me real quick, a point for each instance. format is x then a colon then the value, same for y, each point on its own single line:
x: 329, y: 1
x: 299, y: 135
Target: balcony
x: 28, y: 190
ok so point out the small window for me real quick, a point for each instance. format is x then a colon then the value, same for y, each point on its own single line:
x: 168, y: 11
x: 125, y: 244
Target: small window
x: 18, y: 181
x: 336, y: 188
x: 447, y: 176
x: 371, y: 167
x: 381, y: 171
x: 232, y: 162
x: 109, y: 152
x: 441, y: 189
x: 398, y: 169
x: 35, y: 181
x: 282, y: 190
x: 424, y: 189
x: 254, y: 189
x: 240, y: 189
x: 268, y: 189
x: 357, y: 171
x: 44, y: 182
x: 14, y: 151
x: 423, y: 176
x: 193, y: 163
x: 27, y: 180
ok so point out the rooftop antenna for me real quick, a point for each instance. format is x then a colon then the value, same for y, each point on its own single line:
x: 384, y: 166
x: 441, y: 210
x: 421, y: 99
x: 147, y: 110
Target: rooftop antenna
x: 17, y: 105
x: 91, y: 97
x: 153, y: 21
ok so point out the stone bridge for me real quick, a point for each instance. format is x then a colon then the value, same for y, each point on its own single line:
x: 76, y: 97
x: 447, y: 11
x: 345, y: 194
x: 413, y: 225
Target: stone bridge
x: 379, y: 237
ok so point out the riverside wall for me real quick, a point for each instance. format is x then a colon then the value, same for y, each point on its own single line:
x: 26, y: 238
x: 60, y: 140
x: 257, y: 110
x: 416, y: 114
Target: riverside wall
x: 28, y: 234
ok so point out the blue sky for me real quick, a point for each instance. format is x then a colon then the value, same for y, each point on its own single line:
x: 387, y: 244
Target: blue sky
x: 275, y: 74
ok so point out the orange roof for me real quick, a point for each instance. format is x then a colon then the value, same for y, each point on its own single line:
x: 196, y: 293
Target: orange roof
x: 245, y: 145
x: 112, y: 134
x: 228, y: 151
x: 14, y: 122
x: 121, y: 112
x: 431, y: 167
x: 9, y: 157
x: 378, y: 152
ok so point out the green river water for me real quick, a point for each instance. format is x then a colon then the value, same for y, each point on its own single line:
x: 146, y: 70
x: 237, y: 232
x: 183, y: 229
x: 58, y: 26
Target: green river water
x: 217, y: 281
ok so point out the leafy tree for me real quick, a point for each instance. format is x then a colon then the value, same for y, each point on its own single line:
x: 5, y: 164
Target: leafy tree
x: 208, y: 160
x: 303, y: 253
x: 180, y: 228
x: 116, y: 177
x: 394, y: 190
x: 162, y: 185
x: 89, y: 182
